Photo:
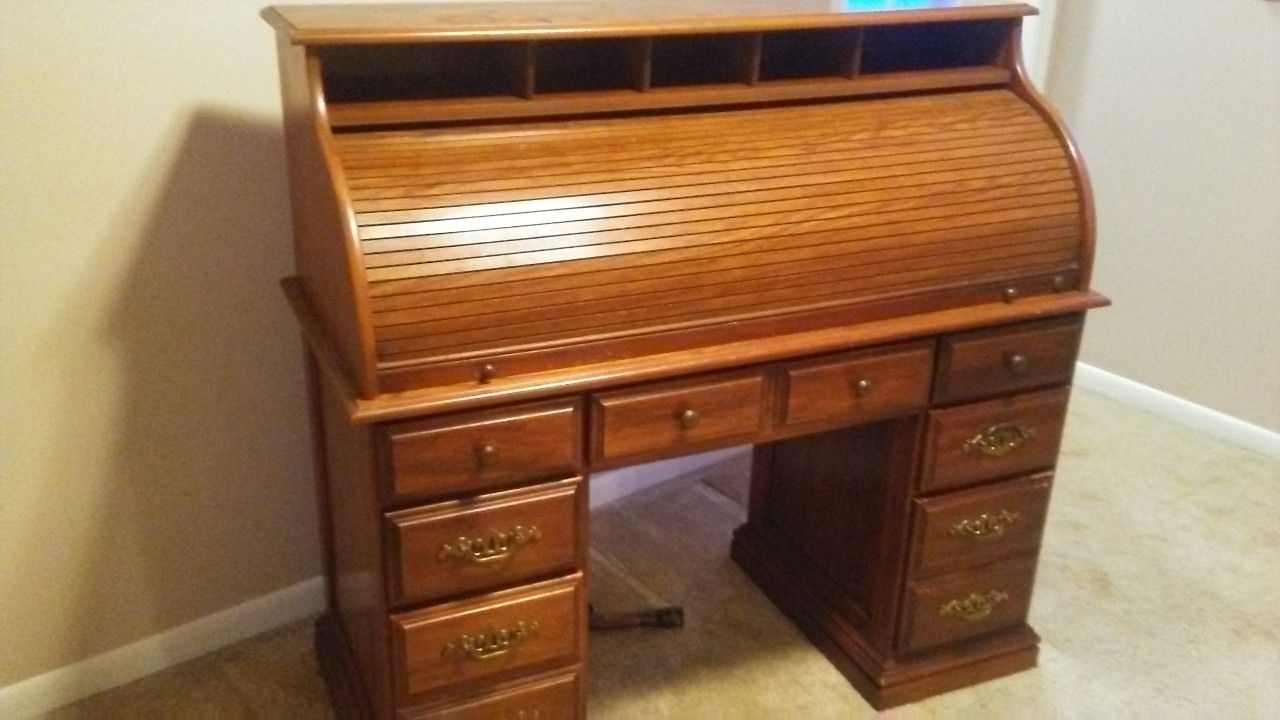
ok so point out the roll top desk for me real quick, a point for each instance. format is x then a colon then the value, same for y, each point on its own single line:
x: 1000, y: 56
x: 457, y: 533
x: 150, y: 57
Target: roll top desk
x: 539, y: 240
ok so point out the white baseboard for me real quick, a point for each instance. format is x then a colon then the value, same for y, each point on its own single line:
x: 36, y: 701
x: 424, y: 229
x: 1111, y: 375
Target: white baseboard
x: 607, y: 487
x: 1183, y: 412
x: 56, y: 688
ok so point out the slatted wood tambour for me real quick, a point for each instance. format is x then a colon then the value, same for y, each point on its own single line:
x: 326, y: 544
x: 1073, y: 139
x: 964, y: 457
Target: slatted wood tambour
x: 535, y: 240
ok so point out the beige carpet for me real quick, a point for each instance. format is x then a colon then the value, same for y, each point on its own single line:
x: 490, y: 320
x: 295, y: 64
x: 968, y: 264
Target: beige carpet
x: 1158, y: 597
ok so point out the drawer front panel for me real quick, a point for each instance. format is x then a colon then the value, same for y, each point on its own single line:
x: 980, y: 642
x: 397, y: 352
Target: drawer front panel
x: 491, y: 639
x: 993, y: 439
x: 677, y: 417
x: 486, y: 542
x: 1010, y: 359
x: 975, y: 526
x: 965, y: 605
x: 860, y: 387
x: 444, y: 456
x: 553, y: 697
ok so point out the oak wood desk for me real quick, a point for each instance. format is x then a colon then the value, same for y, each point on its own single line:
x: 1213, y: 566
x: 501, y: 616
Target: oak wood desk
x: 535, y: 241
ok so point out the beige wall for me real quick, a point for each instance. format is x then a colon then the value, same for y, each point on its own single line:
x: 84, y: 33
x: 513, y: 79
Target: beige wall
x: 154, y: 465
x: 1177, y: 109
x: 155, y: 461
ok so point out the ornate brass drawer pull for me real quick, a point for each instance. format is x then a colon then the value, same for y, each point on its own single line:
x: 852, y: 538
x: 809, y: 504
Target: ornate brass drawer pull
x: 975, y: 607
x: 494, y: 546
x: 492, y: 643
x: 985, y: 527
x: 999, y: 440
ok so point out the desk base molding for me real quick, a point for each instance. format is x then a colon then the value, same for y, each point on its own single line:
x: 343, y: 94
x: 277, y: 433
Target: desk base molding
x: 883, y: 682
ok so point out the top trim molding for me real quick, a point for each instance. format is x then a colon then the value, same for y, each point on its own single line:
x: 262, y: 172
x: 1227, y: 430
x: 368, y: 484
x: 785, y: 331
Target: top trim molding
x: 470, y: 22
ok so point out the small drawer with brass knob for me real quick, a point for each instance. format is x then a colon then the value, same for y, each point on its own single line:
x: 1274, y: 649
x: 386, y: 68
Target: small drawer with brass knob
x: 990, y: 440
x: 975, y: 526
x: 484, y: 542
x: 438, y: 651
x: 967, y: 604
x: 1007, y: 359
x: 683, y: 416
x: 455, y: 454
x: 858, y: 387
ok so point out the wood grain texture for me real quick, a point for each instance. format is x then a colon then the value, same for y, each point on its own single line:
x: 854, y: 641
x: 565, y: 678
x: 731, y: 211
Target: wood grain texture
x: 952, y: 458
x: 678, y: 418
x: 1002, y: 360
x: 324, y: 233
x: 713, y: 247
x: 446, y: 456
x: 860, y: 387
x: 552, y: 515
x: 426, y: 669
x: 554, y: 695
x: 968, y: 528
x: 926, y: 623
x: 455, y: 22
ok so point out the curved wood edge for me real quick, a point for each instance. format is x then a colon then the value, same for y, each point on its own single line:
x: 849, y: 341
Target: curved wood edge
x: 368, y: 370
x: 1022, y: 86
x: 438, y: 400
x: 337, y: 34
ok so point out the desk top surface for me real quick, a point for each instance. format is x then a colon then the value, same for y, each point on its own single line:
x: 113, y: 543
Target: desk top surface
x: 442, y: 22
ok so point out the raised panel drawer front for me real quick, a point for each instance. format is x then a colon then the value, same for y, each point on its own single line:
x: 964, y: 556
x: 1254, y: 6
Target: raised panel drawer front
x: 859, y: 387
x: 976, y: 526
x: 461, y: 453
x: 491, y: 639
x: 678, y: 417
x: 553, y: 697
x: 486, y: 542
x: 1007, y: 359
x: 993, y: 439
x: 967, y: 604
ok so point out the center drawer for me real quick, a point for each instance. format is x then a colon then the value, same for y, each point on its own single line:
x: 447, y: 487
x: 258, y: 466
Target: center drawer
x: 486, y: 542
x: 500, y: 637
x: 679, y: 417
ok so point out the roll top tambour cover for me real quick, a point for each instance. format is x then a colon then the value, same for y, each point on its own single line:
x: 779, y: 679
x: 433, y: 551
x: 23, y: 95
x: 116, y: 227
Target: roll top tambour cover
x: 547, y: 242
x: 479, y: 241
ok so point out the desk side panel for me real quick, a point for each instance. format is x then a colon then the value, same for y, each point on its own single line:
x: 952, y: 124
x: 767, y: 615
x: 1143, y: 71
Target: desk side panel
x: 356, y: 561
x: 328, y: 264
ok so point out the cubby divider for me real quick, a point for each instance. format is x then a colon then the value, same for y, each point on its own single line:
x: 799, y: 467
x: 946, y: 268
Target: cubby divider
x: 451, y: 82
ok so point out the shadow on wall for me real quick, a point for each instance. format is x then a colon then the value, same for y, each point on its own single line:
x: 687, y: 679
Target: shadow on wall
x: 209, y: 502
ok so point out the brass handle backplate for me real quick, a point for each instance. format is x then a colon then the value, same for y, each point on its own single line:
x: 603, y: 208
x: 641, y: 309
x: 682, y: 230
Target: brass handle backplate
x: 985, y: 527
x: 975, y: 607
x: 491, y: 644
x: 689, y: 419
x: 999, y: 440
x: 489, y: 548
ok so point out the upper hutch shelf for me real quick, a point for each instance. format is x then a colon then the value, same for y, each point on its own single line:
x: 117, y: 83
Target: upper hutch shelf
x: 472, y: 62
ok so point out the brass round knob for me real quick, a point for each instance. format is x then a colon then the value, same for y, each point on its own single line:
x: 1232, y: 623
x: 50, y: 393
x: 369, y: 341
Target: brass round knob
x: 1010, y: 294
x: 1017, y: 363
x: 486, y: 454
x: 487, y: 372
x: 689, y: 419
x: 863, y: 387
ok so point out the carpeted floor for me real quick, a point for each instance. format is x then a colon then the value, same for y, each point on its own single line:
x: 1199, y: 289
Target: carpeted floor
x: 1156, y: 598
